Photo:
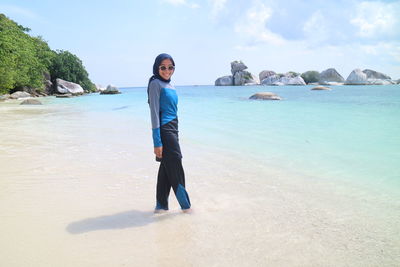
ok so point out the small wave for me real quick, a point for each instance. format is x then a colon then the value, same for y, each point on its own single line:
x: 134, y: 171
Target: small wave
x: 119, y: 108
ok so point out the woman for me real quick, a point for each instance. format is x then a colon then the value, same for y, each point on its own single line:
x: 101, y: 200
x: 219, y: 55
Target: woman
x: 163, y: 102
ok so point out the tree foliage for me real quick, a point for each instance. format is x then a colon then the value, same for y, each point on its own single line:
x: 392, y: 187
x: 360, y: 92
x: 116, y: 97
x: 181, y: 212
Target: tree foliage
x: 311, y: 76
x: 25, y: 59
x: 68, y: 66
x: 292, y: 74
x: 22, y: 57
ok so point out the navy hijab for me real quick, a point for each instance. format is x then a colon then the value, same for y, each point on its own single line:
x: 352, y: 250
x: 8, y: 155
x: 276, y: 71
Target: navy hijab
x: 156, y: 74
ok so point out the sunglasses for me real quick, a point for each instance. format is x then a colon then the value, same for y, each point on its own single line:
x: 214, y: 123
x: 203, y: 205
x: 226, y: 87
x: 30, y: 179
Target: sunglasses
x: 166, y: 68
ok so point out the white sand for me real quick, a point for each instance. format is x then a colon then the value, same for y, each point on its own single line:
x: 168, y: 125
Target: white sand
x: 75, y: 191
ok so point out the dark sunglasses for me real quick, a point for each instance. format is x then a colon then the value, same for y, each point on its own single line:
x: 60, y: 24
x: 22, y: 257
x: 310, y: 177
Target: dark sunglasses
x: 165, y: 68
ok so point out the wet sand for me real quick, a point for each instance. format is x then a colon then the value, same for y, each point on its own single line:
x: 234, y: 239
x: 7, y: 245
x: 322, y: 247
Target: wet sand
x: 78, y: 190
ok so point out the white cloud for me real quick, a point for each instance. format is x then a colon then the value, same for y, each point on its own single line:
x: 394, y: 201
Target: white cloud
x: 254, y: 25
x: 377, y: 18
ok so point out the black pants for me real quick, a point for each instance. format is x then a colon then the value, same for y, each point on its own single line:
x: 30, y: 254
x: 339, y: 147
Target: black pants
x: 170, y: 173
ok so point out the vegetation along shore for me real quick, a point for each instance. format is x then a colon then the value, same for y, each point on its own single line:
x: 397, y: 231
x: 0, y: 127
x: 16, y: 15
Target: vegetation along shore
x: 28, y: 67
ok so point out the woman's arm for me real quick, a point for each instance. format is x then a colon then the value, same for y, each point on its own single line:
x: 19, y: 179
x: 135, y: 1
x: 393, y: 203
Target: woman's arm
x: 154, y: 102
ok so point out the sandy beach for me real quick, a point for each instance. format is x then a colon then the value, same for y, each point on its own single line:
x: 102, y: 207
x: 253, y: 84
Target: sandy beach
x: 80, y: 192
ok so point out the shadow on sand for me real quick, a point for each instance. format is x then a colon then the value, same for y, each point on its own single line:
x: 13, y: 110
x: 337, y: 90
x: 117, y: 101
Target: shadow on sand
x: 121, y: 220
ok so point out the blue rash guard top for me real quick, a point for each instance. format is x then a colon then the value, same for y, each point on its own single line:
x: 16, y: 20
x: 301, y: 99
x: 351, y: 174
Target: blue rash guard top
x: 163, y: 102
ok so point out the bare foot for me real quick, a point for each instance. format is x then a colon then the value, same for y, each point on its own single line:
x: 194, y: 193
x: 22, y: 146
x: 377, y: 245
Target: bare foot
x: 160, y: 211
x: 187, y: 211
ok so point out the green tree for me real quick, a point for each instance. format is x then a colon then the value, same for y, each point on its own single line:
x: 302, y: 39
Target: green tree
x: 311, y: 76
x: 68, y: 66
x: 23, y: 59
x: 9, y: 37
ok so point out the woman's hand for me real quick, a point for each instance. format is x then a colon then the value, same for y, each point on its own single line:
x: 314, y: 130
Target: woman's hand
x: 158, y: 151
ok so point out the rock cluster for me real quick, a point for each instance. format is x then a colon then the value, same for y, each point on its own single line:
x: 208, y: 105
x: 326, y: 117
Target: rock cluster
x: 20, y: 94
x: 237, y: 66
x: 224, y: 81
x: 60, y: 88
x: 63, y: 89
x: 240, y: 76
x: 330, y: 77
x: 272, y: 78
x: 266, y: 73
x: 368, y: 77
x: 16, y: 95
x: 110, y: 90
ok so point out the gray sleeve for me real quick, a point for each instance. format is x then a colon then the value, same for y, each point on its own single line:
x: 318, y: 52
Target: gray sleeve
x: 154, y: 101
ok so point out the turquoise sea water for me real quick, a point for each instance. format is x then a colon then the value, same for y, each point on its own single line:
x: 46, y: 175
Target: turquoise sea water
x: 351, y: 133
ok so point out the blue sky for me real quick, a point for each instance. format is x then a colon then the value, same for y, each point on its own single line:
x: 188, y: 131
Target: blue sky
x: 118, y: 40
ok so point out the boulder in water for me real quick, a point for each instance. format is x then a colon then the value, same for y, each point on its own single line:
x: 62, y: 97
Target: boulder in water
x: 20, y: 94
x: 65, y: 87
x: 111, y: 90
x: 224, y: 81
x: 371, y: 74
x: 297, y: 80
x: 237, y: 66
x: 244, y: 77
x: 270, y: 80
x: 321, y: 88
x: 5, y: 97
x: 357, y: 77
x: 280, y: 79
x: 239, y: 76
x: 330, y: 75
x: 265, y: 96
x: 31, y: 102
x: 265, y: 74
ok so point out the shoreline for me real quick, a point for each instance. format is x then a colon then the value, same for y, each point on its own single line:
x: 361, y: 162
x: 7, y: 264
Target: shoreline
x: 7, y: 97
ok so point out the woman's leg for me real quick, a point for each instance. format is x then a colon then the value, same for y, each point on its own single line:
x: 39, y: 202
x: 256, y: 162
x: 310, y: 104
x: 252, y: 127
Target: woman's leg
x: 176, y: 176
x: 163, y: 188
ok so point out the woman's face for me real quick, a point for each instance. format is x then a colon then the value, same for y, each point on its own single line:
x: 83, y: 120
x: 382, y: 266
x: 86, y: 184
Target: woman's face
x: 166, y: 69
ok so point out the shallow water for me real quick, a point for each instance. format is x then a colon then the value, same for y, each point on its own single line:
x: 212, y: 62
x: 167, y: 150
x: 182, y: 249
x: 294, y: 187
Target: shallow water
x: 308, y: 181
